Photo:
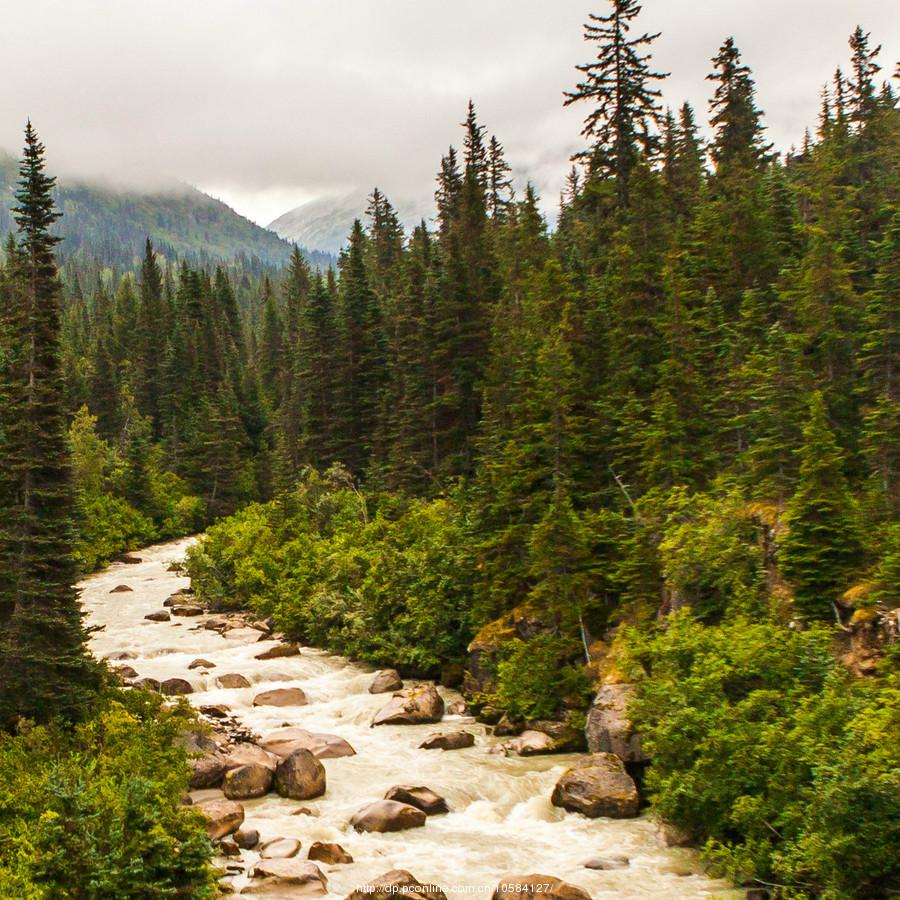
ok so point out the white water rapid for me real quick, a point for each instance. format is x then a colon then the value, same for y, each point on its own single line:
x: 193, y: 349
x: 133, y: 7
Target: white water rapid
x: 501, y: 821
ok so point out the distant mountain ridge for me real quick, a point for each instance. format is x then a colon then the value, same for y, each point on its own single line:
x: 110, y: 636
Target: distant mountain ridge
x: 110, y: 225
x: 325, y: 224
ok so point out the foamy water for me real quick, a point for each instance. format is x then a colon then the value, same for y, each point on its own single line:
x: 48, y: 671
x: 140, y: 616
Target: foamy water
x: 501, y: 821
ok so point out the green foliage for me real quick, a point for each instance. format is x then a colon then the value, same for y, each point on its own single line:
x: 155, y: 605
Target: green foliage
x: 822, y: 547
x: 536, y: 678
x: 96, y: 812
x: 390, y: 588
x: 764, y: 749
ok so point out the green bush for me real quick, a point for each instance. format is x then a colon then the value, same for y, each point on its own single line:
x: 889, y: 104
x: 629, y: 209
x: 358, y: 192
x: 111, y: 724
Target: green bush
x: 390, y: 586
x: 766, y: 750
x: 96, y: 813
x: 108, y: 525
x: 536, y: 678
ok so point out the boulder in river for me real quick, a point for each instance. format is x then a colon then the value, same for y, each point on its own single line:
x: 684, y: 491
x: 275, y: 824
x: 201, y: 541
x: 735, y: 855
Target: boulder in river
x: 176, y: 686
x: 129, y: 559
x: 597, y: 785
x: 531, y: 743
x: 609, y: 728
x: 386, y: 682
x: 279, y: 848
x: 247, y: 782
x: 285, y: 741
x: 245, y: 635
x: 333, y: 854
x: 246, y: 838
x: 224, y: 817
x: 146, y: 684
x: 206, y: 772
x: 201, y: 664
x: 161, y: 615
x: 121, y: 589
x: 215, y: 711
x: 448, y: 740
x: 513, y: 887
x: 286, y: 878
x: 387, y: 815
x: 421, y: 797
x: 394, y: 884
x: 415, y: 706
x: 232, y: 680
x: 279, y: 651
x: 604, y: 863
x: 187, y: 611
x: 281, y: 697
x: 248, y: 755
x: 300, y: 776
x: 121, y: 655
x: 125, y: 671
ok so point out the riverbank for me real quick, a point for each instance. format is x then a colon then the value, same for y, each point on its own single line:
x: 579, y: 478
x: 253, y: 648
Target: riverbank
x: 500, y: 822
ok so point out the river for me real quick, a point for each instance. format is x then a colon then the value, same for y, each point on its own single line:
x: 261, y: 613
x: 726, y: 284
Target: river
x: 501, y: 821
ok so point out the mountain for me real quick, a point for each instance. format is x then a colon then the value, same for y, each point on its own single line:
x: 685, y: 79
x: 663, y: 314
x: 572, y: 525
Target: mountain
x: 324, y: 224
x: 110, y: 225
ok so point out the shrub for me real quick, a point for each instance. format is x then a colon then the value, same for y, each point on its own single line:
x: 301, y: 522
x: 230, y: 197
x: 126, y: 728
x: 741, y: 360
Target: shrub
x: 764, y: 748
x: 96, y: 813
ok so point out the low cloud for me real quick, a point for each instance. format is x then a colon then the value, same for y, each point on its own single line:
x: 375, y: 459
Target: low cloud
x: 267, y: 102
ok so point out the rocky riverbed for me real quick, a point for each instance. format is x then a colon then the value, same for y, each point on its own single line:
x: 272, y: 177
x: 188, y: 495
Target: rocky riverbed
x: 471, y: 819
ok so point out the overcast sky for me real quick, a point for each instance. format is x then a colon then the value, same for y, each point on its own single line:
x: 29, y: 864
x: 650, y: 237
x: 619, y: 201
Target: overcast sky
x: 267, y: 103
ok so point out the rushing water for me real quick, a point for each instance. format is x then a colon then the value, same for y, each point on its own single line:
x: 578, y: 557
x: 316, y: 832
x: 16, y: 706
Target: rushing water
x: 501, y: 821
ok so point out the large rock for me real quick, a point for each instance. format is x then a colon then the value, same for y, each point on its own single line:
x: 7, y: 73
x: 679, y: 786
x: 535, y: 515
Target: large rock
x: 421, y: 797
x: 206, y: 772
x: 286, y: 878
x: 176, y: 686
x: 333, y: 854
x: 279, y: 848
x: 224, y: 817
x: 201, y: 663
x: 597, y: 785
x: 279, y: 651
x: 146, y: 684
x: 450, y: 740
x: 281, y: 697
x: 232, y: 680
x: 531, y: 743
x: 246, y: 838
x: 249, y: 755
x: 121, y: 589
x: 415, y: 706
x: 246, y: 782
x: 522, y: 623
x: 394, y: 884
x: 609, y: 728
x: 126, y: 671
x: 604, y: 863
x: 285, y: 741
x: 186, y: 611
x: 300, y: 776
x: 386, y: 682
x: 160, y: 616
x: 514, y: 887
x: 387, y: 815
x: 244, y: 634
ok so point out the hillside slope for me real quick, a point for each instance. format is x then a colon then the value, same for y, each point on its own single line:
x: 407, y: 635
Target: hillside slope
x: 109, y: 225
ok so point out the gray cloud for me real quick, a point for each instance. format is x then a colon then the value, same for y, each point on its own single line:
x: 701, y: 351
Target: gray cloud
x: 270, y: 102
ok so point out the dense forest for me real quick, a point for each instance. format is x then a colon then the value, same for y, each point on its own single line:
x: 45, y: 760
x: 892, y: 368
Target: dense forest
x: 657, y: 447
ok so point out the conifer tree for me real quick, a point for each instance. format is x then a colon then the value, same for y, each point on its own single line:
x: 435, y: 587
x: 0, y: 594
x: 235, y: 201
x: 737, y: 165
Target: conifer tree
x: 619, y: 85
x: 822, y: 548
x: 45, y: 670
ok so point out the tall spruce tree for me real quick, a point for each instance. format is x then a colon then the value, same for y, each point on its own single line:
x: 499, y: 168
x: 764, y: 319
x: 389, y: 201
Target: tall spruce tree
x: 821, y: 550
x: 619, y: 85
x: 45, y: 670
